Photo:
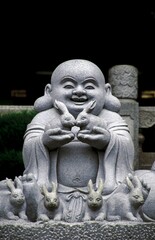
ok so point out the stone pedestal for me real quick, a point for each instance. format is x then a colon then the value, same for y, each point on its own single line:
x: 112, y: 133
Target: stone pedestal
x: 77, y: 231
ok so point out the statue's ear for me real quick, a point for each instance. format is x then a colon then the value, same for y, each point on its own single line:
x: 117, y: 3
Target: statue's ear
x: 108, y: 89
x: 112, y: 103
x: 45, y: 102
x: 48, y: 89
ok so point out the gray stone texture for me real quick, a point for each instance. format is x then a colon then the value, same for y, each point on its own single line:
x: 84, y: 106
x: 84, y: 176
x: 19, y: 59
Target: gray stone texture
x: 124, y: 82
x: 82, y: 231
x: 41, y: 168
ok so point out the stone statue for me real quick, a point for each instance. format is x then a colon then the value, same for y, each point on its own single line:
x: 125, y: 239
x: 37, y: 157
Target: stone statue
x: 12, y: 200
x: 96, y: 144
x: 79, y: 155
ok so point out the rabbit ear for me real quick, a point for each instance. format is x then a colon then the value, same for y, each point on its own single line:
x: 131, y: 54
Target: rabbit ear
x: 145, y: 185
x: 100, y: 186
x: 90, y: 106
x: 60, y: 106
x: 54, y: 187
x: 44, y: 190
x: 136, y: 182
x: 90, y: 186
x: 18, y: 183
x: 10, y: 184
x: 129, y: 183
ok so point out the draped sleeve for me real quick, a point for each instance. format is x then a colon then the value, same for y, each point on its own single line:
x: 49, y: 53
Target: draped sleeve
x: 36, y: 156
x: 118, y: 158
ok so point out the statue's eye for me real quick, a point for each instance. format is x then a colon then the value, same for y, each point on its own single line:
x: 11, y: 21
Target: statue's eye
x: 90, y: 198
x: 67, y: 118
x: 136, y: 196
x: 98, y: 199
x: 15, y: 195
x: 89, y: 87
x: 69, y: 86
x: 83, y: 118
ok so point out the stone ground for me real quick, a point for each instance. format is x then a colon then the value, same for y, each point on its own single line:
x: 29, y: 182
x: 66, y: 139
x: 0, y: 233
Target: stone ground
x: 21, y: 230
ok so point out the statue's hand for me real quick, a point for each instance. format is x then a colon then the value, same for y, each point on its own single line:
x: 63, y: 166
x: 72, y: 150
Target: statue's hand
x: 98, y: 137
x: 54, y: 138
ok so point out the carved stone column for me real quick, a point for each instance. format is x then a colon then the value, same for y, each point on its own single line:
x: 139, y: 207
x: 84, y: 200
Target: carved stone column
x: 124, y: 83
x: 146, y: 120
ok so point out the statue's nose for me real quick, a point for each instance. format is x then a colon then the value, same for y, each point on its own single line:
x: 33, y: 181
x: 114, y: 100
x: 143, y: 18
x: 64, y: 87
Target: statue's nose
x: 79, y: 91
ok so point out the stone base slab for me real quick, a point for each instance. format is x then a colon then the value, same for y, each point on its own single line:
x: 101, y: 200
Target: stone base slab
x: 21, y: 230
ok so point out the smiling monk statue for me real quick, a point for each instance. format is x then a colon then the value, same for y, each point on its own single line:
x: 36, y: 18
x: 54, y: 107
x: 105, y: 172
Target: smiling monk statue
x: 72, y: 156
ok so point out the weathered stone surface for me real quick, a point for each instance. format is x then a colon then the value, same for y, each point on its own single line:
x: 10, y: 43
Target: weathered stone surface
x: 75, y: 231
x: 123, y: 79
x: 146, y: 117
x: 81, y: 163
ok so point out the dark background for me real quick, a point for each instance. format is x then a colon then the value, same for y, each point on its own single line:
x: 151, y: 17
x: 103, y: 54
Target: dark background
x: 36, y: 38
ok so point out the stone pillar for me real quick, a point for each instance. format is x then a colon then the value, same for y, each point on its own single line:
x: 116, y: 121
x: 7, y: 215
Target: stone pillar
x: 124, y: 83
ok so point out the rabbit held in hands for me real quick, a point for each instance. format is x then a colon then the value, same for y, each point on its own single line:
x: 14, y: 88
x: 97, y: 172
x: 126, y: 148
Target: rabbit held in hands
x: 126, y: 205
x: 86, y: 120
x: 12, y: 202
x: 50, y: 206
x: 95, y: 206
x: 66, y: 120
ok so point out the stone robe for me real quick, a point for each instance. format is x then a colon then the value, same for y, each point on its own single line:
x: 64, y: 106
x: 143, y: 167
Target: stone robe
x: 115, y: 162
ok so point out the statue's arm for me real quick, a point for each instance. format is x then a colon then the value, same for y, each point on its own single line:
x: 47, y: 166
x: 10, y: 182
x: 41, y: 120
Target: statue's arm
x: 100, y: 137
x: 51, y: 138
x: 55, y: 138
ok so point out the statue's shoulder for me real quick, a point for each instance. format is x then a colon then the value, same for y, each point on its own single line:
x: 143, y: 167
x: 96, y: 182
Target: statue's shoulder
x: 110, y: 116
x: 42, y: 117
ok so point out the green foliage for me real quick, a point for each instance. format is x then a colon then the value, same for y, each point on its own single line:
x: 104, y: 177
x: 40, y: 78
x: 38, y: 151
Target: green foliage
x: 12, y: 129
x: 11, y: 164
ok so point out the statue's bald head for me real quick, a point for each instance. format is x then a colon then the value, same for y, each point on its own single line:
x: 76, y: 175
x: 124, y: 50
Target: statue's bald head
x: 77, y: 68
x: 76, y: 82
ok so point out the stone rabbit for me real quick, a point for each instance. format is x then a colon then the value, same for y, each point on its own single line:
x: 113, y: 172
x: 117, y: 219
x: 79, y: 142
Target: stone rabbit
x: 50, y: 206
x: 94, y: 207
x: 32, y: 195
x: 66, y: 120
x: 125, y: 205
x: 12, y: 201
x: 86, y: 120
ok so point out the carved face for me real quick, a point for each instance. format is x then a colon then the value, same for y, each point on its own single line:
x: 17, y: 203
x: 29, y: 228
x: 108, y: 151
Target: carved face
x: 77, y: 82
x: 94, y: 200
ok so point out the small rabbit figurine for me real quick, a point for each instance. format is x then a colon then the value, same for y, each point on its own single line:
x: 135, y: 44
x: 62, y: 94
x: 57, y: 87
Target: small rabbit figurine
x: 50, y: 206
x: 126, y: 205
x: 86, y: 120
x: 66, y: 121
x: 12, y: 203
x: 95, y: 207
x: 32, y: 195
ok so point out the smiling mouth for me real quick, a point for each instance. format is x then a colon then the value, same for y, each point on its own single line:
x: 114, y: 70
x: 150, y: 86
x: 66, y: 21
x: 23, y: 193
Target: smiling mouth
x: 79, y: 103
x: 79, y: 100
